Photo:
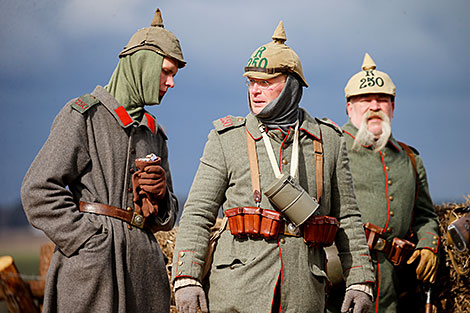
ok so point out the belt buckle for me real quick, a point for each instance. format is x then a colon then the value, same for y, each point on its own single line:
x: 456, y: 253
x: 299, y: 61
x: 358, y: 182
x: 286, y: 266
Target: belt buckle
x: 380, y: 245
x: 291, y: 230
x: 137, y: 220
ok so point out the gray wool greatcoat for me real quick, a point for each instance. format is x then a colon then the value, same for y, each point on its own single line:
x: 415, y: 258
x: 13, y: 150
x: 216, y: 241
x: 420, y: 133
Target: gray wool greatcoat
x: 244, y: 272
x: 100, y: 264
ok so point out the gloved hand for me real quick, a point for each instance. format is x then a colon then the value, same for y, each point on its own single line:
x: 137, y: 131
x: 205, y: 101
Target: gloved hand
x: 427, y: 267
x: 360, y: 301
x: 189, y: 298
x: 149, y: 185
x: 152, y: 180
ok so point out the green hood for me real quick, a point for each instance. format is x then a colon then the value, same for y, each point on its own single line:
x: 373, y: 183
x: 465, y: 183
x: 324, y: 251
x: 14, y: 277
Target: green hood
x: 136, y: 81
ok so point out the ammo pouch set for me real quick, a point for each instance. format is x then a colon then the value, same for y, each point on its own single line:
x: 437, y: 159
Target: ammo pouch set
x: 255, y: 222
x: 397, y: 251
x: 290, y: 199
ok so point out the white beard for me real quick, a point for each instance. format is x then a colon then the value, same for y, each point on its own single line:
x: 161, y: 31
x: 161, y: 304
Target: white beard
x: 365, y: 138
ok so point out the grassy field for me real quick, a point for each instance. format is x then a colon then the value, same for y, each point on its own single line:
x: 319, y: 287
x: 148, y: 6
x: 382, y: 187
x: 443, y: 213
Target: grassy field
x: 23, y: 245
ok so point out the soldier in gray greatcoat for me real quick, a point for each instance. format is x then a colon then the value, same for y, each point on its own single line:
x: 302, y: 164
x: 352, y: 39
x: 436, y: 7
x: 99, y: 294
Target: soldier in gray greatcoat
x: 276, y: 269
x: 100, y: 206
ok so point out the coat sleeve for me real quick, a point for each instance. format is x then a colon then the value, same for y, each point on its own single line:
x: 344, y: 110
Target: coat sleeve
x: 424, y: 223
x: 200, y: 211
x: 350, y: 239
x: 48, y: 203
x: 168, y: 207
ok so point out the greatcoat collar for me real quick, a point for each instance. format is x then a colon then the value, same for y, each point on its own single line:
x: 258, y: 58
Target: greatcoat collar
x: 120, y: 114
x: 308, y: 127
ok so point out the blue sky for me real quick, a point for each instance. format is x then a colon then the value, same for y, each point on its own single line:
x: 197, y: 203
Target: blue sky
x: 54, y: 50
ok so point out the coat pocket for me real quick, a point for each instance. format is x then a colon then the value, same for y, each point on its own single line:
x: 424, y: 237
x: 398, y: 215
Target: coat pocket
x: 229, y: 262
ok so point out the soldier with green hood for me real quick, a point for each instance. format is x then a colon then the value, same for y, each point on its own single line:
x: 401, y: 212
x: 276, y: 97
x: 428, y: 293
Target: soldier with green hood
x: 391, y: 188
x: 101, y: 186
x: 269, y: 256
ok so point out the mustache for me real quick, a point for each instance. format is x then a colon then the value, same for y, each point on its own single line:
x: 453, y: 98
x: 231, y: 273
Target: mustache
x: 374, y: 114
x: 365, y: 138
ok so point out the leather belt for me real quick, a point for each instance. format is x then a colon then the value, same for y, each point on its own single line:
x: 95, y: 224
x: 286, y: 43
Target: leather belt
x: 130, y: 217
x: 383, y: 245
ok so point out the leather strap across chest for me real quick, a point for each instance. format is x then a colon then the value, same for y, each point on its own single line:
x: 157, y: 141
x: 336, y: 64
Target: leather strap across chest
x: 254, y: 168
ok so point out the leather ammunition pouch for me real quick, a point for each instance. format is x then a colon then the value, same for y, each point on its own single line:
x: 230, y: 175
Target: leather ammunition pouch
x: 320, y: 231
x: 254, y: 222
x: 398, y: 251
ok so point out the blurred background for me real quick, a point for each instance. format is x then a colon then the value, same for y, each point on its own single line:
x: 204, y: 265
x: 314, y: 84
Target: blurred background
x: 54, y: 50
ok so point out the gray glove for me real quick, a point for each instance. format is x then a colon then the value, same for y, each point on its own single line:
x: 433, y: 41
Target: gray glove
x: 189, y: 298
x: 359, y: 300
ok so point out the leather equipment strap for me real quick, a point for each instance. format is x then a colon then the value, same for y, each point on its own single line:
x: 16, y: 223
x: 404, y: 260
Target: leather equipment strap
x: 413, y: 163
x: 317, y: 147
x: 129, y: 217
x: 254, y: 169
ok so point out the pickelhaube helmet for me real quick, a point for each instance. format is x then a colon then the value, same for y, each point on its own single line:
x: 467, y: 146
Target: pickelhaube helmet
x: 155, y: 38
x: 274, y: 59
x: 369, y: 80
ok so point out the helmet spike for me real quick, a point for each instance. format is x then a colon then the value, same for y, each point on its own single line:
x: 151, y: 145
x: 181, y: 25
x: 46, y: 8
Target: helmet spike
x: 368, y: 63
x: 157, y: 19
x: 280, y: 34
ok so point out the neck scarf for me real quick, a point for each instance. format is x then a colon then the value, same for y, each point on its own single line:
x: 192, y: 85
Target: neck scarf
x: 283, y: 112
x: 136, y: 82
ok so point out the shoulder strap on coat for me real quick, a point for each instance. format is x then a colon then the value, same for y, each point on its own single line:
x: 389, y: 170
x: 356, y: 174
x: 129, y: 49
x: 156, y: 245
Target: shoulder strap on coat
x: 84, y: 103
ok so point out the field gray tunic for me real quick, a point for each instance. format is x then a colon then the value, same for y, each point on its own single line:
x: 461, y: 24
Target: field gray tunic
x: 100, y: 263
x: 245, y: 272
x: 385, y: 186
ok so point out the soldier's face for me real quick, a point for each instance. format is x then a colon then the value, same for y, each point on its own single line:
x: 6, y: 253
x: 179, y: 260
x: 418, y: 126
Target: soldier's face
x: 360, y: 105
x: 169, y: 70
x: 262, y: 93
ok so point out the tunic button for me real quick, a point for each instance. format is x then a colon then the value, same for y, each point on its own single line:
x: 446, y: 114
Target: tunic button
x: 391, y: 213
x: 129, y: 208
x: 282, y: 240
x: 387, y: 168
x: 181, y: 254
x: 131, y: 170
x: 180, y: 263
x: 180, y: 272
x: 240, y: 119
x: 391, y: 198
x: 434, y: 242
x: 389, y: 229
x: 384, y: 154
x: 389, y: 182
x: 284, y: 161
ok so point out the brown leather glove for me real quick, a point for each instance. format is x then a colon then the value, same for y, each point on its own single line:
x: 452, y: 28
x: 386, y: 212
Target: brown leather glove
x: 427, y: 267
x: 149, y: 185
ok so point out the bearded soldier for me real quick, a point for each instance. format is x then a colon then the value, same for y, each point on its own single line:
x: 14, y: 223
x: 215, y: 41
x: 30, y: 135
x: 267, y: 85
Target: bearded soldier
x: 101, y: 186
x: 391, y: 187
x: 283, y: 182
